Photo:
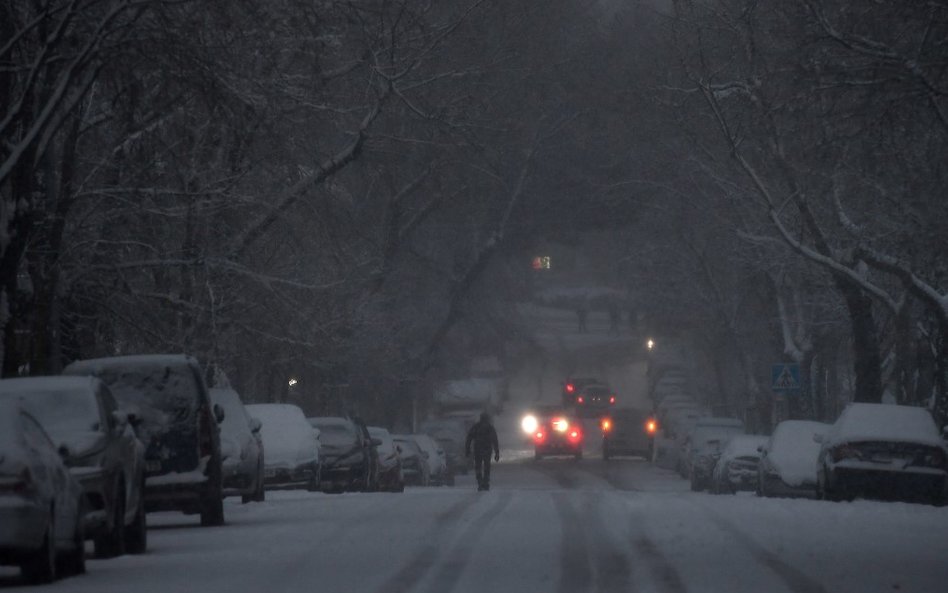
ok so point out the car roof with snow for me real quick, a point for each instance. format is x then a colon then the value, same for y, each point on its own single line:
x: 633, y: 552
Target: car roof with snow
x: 885, y: 422
x: 54, y: 383
x: 744, y: 445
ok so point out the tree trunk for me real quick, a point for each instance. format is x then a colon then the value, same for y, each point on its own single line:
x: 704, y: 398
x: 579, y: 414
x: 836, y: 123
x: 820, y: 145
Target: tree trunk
x: 866, y: 359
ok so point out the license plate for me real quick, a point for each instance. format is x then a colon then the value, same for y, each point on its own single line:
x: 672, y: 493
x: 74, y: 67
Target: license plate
x: 153, y: 466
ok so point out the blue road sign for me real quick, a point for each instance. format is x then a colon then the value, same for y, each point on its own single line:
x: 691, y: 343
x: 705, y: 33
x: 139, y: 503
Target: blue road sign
x: 785, y: 378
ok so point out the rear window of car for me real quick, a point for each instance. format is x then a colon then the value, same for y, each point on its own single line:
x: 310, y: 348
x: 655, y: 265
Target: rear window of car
x: 161, y: 396
x: 597, y: 390
x: 61, y: 412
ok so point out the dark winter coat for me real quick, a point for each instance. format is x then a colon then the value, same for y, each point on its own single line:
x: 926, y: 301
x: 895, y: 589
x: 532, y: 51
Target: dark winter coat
x: 484, y: 438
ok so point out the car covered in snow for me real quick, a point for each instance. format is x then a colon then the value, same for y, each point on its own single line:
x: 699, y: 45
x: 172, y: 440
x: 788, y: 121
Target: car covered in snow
x: 704, y: 445
x: 438, y: 471
x: 346, y: 455
x: 883, y: 450
x: 176, y: 422
x: 450, y: 434
x: 242, y: 452
x: 628, y: 432
x: 788, y: 461
x: 736, y: 468
x: 100, y: 449
x: 558, y: 434
x: 291, y: 446
x: 415, y: 468
x: 390, y: 463
x: 41, y: 503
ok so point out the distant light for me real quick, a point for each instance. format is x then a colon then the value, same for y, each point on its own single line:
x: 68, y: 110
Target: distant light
x: 650, y: 344
x: 569, y: 388
x: 651, y: 426
x: 529, y: 423
x: 292, y: 382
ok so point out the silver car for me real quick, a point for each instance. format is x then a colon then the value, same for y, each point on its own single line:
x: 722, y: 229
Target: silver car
x: 41, y: 514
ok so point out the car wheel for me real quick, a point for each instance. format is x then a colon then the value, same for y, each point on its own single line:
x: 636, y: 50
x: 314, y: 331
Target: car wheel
x: 260, y: 492
x: 74, y: 561
x: 136, y: 534
x: 212, y: 508
x: 40, y: 566
x: 695, y: 484
x: 112, y: 543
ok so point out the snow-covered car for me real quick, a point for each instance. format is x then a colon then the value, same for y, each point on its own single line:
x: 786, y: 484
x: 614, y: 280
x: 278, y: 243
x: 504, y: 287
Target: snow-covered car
x: 558, y: 434
x: 390, y: 464
x: 438, y: 473
x: 176, y: 422
x: 242, y: 452
x: 628, y: 432
x: 788, y: 461
x: 100, y: 449
x: 450, y: 433
x: 291, y: 447
x: 41, y: 503
x: 736, y: 468
x: 882, y: 450
x: 704, y: 445
x: 345, y: 455
x: 414, y: 460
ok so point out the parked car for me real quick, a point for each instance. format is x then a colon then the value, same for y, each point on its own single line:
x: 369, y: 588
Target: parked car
x: 242, y: 455
x: 451, y: 434
x: 438, y: 473
x: 292, y: 458
x: 101, y: 451
x: 178, y: 425
x: 788, y: 462
x: 736, y: 469
x: 345, y: 455
x: 390, y: 464
x: 883, y: 450
x: 415, y: 467
x: 703, y: 446
x: 628, y: 432
x: 558, y: 434
x: 370, y: 445
x: 41, y: 503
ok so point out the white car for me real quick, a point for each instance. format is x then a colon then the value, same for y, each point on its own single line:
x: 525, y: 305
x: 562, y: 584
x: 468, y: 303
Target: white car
x: 241, y: 448
x: 33, y: 482
x: 391, y: 478
x: 436, y: 458
x: 789, y: 458
x: 291, y: 447
x: 736, y: 469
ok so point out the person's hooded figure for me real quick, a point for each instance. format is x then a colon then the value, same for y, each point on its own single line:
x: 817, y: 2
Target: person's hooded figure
x: 484, y: 439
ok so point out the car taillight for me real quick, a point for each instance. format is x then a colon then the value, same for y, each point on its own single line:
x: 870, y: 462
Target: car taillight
x: 606, y: 425
x: 842, y: 452
x: 574, y: 435
x: 580, y: 399
x: 20, y: 484
x: 651, y: 426
x: 539, y: 437
x: 205, y: 426
x: 570, y: 388
x: 612, y: 399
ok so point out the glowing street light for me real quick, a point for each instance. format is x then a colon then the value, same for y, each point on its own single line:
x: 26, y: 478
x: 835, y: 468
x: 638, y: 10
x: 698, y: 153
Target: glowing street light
x: 292, y: 382
x: 650, y: 344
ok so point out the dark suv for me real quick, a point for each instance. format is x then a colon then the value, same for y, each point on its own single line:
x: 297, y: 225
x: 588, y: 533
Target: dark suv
x: 590, y: 398
x: 176, y: 423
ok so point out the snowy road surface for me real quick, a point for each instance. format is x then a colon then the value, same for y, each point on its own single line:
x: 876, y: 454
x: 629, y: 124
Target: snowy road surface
x: 553, y: 526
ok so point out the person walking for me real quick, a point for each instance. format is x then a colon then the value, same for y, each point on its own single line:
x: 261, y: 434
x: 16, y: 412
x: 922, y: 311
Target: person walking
x: 484, y: 438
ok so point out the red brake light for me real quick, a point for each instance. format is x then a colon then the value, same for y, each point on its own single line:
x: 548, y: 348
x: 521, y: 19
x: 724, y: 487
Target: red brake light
x: 612, y: 399
x: 570, y: 388
x: 580, y: 399
x: 574, y: 435
x: 539, y: 436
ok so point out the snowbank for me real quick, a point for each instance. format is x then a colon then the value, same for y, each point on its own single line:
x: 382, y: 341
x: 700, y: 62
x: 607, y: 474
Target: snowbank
x: 793, y: 452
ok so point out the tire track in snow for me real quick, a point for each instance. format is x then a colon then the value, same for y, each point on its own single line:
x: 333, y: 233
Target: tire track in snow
x: 451, y: 568
x: 409, y: 575
x: 576, y: 570
x: 661, y: 568
x: 613, y: 572
x: 796, y: 580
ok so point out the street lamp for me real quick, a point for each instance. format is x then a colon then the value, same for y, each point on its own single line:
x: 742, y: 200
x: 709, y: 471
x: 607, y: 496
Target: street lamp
x: 650, y: 344
x: 292, y: 382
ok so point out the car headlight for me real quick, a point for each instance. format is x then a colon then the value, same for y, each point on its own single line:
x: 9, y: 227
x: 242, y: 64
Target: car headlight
x: 529, y: 424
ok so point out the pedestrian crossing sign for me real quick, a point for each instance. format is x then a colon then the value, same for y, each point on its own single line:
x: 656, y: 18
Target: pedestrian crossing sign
x: 785, y: 377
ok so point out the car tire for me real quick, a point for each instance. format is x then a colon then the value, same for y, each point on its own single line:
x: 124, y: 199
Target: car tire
x: 212, y: 507
x: 136, y: 534
x: 112, y: 543
x: 74, y: 562
x: 695, y: 484
x: 40, y: 566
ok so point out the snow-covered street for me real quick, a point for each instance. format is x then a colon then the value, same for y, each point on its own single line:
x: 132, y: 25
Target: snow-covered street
x: 555, y: 525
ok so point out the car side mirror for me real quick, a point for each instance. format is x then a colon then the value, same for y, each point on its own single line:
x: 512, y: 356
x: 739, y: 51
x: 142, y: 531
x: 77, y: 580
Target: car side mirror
x: 134, y: 420
x: 255, y: 425
x: 818, y: 438
x: 218, y: 413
